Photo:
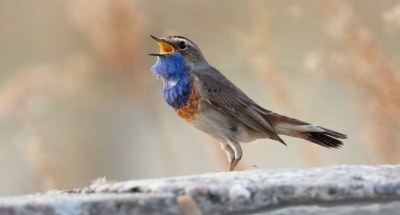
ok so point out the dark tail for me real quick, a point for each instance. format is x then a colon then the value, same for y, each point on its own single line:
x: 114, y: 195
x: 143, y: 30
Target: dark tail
x: 326, y: 138
x: 310, y: 132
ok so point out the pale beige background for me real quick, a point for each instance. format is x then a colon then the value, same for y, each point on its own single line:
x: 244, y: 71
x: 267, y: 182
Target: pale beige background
x: 78, y: 100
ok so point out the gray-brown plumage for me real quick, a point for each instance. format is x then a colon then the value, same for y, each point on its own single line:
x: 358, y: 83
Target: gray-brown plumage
x: 219, y: 108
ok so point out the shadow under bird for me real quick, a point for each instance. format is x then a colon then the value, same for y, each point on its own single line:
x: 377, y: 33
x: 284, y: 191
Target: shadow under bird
x: 207, y: 100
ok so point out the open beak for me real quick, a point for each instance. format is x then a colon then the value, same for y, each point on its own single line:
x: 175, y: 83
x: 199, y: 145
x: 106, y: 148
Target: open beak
x: 165, y: 47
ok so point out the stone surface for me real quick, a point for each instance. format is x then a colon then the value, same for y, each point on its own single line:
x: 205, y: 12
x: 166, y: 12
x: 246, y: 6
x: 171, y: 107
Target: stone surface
x: 332, y: 190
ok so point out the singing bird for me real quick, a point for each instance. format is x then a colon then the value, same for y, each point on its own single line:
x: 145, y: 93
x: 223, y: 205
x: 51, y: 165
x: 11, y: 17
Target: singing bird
x: 207, y: 100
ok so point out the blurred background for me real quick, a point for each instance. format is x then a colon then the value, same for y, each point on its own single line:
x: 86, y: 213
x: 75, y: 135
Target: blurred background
x: 78, y: 100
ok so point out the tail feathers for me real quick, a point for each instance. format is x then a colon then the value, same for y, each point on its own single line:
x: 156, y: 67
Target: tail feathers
x: 322, y: 138
x: 310, y: 132
x: 334, y: 133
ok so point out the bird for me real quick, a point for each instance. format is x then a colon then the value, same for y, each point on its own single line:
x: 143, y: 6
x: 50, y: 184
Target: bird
x: 207, y: 100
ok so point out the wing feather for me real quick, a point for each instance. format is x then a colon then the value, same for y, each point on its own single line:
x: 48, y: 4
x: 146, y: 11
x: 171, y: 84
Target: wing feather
x: 225, y: 96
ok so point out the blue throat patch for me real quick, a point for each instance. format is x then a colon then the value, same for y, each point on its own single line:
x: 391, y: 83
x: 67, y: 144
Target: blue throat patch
x: 171, y: 68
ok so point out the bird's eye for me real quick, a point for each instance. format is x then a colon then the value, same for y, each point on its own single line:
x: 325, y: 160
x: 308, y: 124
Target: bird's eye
x: 182, y: 45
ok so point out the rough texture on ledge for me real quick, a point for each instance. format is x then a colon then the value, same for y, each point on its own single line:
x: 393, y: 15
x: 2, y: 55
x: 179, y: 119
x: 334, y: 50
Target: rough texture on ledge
x: 332, y: 190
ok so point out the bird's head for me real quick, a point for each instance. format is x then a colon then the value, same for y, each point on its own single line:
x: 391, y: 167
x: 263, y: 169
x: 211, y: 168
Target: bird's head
x: 180, y: 45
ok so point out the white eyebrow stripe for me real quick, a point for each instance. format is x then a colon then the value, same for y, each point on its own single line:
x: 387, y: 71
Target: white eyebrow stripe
x: 188, y: 42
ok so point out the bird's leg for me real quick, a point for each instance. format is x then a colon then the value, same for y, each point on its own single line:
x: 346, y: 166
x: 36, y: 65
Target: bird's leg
x: 229, y: 152
x: 238, y: 154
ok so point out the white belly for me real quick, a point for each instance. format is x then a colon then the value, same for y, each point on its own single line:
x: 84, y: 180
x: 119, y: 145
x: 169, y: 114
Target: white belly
x: 222, y: 127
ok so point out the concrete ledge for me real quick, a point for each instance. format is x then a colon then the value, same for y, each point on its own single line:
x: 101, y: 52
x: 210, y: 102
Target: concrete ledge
x: 332, y: 190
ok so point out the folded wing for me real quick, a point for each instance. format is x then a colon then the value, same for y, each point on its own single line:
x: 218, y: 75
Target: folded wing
x: 226, y: 97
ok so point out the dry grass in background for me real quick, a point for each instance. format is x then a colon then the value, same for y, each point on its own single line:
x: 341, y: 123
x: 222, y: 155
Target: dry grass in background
x: 114, y: 30
x: 363, y: 66
x: 22, y: 94
x: 256, y: 44
x: 393, y: 16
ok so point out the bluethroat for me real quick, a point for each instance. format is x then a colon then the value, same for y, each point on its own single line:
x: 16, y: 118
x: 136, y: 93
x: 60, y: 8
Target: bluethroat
x: 207, y: 100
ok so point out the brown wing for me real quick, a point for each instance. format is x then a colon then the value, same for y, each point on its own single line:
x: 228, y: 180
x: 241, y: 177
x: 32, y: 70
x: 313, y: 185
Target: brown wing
x: 226, y: 97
